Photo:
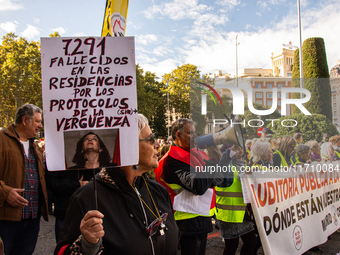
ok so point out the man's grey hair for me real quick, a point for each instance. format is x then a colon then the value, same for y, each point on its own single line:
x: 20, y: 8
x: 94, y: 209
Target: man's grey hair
x: 27, y: 110
x: 326, y: 149
x: 302, y: 149
x: 142, y: 122
x: 179, y: 125
x: 260, y: 149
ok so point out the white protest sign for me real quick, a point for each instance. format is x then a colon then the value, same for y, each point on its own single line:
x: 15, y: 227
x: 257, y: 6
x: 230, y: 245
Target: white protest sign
x: 192, y: 203
x: 297, y: 209
x: 89, y: 84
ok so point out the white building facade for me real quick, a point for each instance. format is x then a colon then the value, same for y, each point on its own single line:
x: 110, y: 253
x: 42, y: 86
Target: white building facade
x: 335, y: 88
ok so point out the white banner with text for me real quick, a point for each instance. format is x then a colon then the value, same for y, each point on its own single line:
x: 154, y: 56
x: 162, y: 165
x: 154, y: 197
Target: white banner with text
x: 296, y: 209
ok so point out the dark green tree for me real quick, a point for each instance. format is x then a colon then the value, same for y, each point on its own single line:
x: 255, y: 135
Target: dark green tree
x: 312, y: 126
x: 316, y: 77
x: 179, y: 81
x: 195, y: 110
x: 20, y: 75
x: 214, y: 111
x: 214, y: 108
x: 248, y: 115
x: 151, y: 100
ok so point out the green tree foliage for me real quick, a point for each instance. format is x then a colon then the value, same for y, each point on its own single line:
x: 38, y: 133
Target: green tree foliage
x: 195, y: 110
x: 296, y: 78
x: 214, y: 111
x: 179, y: 88
x: 151, y: 100
x: 248, y: 115
x: 316, y: 77
x: 20, y: 75
x: 218, y: 111
x: 311, y: 126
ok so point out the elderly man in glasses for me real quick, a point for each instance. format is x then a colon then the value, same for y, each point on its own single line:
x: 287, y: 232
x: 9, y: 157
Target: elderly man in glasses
x: 176, y: 172
x: 135, y: 213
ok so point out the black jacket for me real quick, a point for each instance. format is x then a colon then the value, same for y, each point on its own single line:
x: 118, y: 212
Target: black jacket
x: 178, y: 172
x: 124, y: 222
x: 63, y: 184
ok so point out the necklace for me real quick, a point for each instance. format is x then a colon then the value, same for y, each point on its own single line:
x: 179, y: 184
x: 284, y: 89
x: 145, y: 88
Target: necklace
x: 140, y: 197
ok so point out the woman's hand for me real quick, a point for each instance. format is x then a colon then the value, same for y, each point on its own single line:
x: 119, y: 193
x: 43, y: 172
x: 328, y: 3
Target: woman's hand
x: 81, y: 182
x: 91, y: 226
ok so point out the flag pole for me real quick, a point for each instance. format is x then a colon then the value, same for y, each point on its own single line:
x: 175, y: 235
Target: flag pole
x: 300, y: 51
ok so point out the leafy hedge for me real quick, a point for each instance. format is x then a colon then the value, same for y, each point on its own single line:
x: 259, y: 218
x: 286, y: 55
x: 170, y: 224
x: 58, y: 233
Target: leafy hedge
x: 313, y: 126
x: 316, y: 77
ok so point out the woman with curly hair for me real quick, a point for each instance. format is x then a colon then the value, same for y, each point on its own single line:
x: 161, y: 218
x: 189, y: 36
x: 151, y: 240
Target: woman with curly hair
x: 328, y: 153
x: 262, y: 154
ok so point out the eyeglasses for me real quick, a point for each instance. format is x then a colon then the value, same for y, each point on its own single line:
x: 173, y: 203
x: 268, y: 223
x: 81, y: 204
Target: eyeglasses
x: 151, y: 138
x: 158, y: 225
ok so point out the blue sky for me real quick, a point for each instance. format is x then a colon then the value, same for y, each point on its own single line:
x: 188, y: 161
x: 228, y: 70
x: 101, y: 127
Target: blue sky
x: 169, y: 33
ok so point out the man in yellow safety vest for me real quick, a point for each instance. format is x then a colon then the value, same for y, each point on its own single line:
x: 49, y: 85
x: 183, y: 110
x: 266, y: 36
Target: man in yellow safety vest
x: 181, y: 172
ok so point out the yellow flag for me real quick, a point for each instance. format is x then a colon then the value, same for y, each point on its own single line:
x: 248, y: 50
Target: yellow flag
x: 115, y: 18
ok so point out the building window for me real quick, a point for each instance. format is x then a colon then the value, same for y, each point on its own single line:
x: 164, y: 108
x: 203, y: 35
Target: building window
x: 269, y: 85
x: 269, y: 95
x: 279, y: 95
x: 279, y: 103
x: 279, y: 110
x: 289, y: 74
x: 259, y: 102
x: 334, y: 98
x: 258, y: 85
x: 269, y: 103
x: 258, y: 95
x: 334, y: 105
x: 280, y: 85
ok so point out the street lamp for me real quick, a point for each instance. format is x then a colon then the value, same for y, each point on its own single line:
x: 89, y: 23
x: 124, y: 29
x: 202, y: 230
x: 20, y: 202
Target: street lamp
x: 236, y: 62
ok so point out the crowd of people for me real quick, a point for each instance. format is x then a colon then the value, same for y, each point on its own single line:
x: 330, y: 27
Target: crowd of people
x: 135, y: 212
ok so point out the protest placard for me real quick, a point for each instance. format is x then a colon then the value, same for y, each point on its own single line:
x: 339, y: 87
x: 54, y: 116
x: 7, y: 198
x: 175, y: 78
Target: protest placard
x: 89, y: 84
x: 296, y: 209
